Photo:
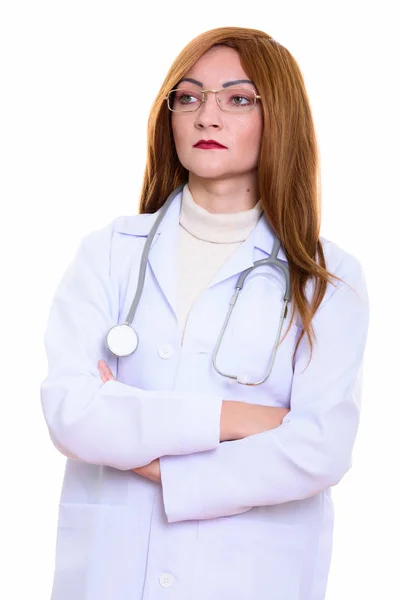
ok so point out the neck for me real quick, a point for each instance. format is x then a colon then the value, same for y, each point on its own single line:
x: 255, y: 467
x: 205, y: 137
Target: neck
x: 231, y: 195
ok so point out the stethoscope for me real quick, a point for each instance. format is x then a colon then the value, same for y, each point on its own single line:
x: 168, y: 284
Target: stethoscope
x: 122, y: 340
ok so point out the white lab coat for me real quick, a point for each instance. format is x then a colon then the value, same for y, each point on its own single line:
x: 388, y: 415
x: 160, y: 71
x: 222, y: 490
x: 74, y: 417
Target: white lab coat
x: 238, y: 520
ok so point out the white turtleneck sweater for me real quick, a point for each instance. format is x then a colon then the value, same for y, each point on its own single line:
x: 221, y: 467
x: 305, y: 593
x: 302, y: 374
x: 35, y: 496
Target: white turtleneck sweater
x: 206, y: 240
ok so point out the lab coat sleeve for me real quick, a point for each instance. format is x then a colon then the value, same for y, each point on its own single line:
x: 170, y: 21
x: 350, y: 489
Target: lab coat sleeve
x: 110, y: 423
x: 312, y: 449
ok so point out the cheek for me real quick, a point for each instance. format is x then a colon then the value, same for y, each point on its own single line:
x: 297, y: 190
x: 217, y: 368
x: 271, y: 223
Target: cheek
x: 174, y: 130
x: 179, y: 131
x: 248, y: 136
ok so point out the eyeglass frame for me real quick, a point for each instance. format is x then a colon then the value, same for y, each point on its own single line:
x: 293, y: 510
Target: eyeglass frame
x: 204, y: 99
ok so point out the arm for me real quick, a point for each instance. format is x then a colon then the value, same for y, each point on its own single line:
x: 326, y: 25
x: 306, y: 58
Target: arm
x: 111, y: 424
x: 311, y: 450
x: 240, y: 419
x: 237, y: 422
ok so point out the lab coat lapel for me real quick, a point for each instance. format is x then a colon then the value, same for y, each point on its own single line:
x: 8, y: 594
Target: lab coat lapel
x: 163, y: 253
x: 261, y: 238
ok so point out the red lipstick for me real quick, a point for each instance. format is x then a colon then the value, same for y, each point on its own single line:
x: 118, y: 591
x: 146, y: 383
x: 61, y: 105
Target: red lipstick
x: 209, y: 145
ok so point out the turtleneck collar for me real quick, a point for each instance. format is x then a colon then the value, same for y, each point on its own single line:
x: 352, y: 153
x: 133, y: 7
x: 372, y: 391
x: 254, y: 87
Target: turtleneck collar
x: 223, y: 228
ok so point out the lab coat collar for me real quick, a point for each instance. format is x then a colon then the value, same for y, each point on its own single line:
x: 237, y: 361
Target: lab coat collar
x: 262, y: 236
x: 163, y: 251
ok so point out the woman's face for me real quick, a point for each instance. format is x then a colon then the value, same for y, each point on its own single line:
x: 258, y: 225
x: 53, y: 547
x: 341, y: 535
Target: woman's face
x: 239, y: 132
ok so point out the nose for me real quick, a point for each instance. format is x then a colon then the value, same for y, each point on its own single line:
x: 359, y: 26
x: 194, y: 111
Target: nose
x: 209, y: 114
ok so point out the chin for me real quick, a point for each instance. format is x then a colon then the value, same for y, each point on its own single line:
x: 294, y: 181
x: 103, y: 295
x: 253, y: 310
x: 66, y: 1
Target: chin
x: 210, y: 171
x: 213, y: 175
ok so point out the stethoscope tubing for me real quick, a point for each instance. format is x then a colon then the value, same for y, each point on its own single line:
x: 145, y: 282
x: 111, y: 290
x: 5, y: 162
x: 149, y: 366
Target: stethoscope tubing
x: 272, y: 260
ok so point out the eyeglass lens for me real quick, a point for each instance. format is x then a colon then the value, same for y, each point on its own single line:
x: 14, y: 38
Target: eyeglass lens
x: 238, y: 99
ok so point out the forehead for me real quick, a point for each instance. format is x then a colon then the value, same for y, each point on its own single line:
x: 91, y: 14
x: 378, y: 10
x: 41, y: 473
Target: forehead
x: 217, y: 66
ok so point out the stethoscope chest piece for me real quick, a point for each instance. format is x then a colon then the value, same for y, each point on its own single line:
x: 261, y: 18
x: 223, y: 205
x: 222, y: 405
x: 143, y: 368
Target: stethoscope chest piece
x: 122, y: 340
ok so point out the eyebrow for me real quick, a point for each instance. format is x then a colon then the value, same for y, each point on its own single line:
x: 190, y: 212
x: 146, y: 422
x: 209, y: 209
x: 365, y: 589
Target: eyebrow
x: 224, y: 85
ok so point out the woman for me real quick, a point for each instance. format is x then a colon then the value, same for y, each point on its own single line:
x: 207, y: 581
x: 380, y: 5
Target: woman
x: 181, y: 474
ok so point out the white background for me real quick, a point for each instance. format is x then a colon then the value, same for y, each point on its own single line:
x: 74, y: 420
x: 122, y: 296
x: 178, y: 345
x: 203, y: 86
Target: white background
x: 77, y: 80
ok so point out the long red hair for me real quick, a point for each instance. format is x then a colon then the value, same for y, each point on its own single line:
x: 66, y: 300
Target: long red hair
x: 288, y: 168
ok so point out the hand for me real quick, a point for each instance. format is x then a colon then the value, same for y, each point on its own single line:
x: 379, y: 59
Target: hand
x: 105, y: 371
x: 152, y: 470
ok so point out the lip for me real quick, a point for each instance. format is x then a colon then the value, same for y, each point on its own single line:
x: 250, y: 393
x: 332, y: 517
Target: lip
x: 209, y: 145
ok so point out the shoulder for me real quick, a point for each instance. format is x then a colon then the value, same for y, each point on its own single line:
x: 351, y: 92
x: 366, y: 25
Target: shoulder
x: 339, y: 261
x: 132, y: 225
x: 347, y: 267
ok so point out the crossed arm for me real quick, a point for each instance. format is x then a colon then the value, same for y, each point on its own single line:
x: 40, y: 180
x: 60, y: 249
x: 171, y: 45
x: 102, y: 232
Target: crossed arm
x: 290, y: 459
x: 238, y: 420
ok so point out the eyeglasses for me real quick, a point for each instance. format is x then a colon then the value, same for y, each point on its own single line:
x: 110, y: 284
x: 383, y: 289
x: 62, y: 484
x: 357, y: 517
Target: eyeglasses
x: 229, y: 99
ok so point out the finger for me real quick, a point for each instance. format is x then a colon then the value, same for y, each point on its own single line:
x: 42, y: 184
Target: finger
x: 100, y: 366
x: 103, y: 377
x: 104, y: 368
x: 102, y: 373
x: 107, y: 370
x: 110, y: 375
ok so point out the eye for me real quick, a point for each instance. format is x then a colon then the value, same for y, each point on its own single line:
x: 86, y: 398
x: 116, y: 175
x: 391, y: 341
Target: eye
x: 187, y: 97
x: 239, y: 100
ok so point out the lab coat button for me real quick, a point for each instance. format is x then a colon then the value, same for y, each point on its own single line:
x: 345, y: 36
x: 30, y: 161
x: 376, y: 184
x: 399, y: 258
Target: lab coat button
x: 166, y: 580
x: 165, y: 351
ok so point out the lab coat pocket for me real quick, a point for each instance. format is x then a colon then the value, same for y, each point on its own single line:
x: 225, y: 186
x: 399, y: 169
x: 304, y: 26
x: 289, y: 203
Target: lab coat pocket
x: 251, y: 558
x: 96, y: 547
x: 76, y: 538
